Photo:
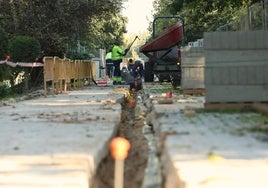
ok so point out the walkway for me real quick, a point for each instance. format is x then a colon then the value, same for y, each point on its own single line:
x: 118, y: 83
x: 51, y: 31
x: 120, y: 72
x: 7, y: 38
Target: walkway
x: 57, y: 141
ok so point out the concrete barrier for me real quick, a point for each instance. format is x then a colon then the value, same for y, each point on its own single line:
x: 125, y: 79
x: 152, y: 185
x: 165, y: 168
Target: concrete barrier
x: 193, y: 64
x: 236, y: 66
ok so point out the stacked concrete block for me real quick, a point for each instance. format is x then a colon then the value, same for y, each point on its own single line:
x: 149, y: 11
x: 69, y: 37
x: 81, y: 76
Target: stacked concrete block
x: 193, y: 63
x: 236, y: 66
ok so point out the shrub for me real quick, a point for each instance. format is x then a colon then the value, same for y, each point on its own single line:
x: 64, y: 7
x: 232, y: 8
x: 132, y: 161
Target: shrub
x: 3, y: 91
x: 3, y: 44
x: 24, y: 48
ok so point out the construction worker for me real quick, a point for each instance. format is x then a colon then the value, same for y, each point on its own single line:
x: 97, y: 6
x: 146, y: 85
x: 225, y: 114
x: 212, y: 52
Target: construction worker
x: 109, y: 64
x: 130, y: 65
x: 117, y: 57
x: 135, y: 69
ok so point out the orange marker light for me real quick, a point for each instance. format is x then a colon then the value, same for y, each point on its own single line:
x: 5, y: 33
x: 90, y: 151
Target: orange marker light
x: 169, y: 94
x: 119, y: 148
x: 132, y: 102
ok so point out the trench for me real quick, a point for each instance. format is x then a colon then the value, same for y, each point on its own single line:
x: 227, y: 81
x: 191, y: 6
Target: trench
x: 141, y: 167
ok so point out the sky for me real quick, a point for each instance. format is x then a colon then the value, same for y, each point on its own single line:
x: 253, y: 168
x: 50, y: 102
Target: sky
x: 138, y: 13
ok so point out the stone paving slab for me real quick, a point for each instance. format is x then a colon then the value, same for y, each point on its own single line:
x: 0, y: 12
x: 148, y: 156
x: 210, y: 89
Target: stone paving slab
x: 57, y: 141
x: 213, y: 154
x: 209, y: 149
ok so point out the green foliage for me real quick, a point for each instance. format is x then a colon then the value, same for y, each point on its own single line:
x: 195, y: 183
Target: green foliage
x: 76, y: 55
x: 4, y: 72
x: 23, y: 48
x: 104, y: 31
x: 3, y: 90
x: 3, y: 44
x: 203, y: 15
x: 57, y: 23
x: 4, y: 69
x: 9, y: 92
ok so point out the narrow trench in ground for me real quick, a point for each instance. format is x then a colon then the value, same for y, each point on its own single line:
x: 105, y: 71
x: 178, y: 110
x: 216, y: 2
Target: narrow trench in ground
x: 130, y: 128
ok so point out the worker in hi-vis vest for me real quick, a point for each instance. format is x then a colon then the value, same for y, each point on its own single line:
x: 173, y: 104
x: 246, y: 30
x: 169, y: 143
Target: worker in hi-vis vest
x: 109, y: 64
x: 117, y: 57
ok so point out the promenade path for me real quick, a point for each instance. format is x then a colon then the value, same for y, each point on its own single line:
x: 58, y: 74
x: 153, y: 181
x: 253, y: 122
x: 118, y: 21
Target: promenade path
x: 57, y: 141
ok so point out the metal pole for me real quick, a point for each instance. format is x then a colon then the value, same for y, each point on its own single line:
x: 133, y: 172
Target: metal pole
x: 249, y: 18
x: 262, y: 15
x: 265, y: 3
x: 170, y: 17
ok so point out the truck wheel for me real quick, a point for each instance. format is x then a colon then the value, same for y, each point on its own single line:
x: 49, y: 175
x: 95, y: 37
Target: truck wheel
x: 176, y: 80
x: 148, y: 72
x: 164, y: 78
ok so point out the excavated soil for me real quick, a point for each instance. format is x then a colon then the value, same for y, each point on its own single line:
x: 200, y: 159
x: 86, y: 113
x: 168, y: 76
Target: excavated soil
x: 136, y: 162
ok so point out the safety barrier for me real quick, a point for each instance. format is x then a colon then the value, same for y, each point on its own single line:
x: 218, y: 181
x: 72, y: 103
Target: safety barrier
x: 64, y: 74
x: 21, y: 64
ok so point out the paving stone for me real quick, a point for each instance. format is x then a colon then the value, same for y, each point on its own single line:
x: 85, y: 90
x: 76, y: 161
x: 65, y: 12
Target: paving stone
x: 57, y: 141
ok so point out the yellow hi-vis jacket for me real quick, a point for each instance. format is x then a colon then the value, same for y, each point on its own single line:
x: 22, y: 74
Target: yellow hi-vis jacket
x: 108, y: 55
x: 117, y: 53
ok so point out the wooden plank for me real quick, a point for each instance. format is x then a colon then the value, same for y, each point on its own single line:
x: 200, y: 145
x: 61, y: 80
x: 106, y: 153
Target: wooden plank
x: 261, y: 107
x: 193, y: 91
x: 258, y: 106
x: 228, y: 106
x: 236, y: 93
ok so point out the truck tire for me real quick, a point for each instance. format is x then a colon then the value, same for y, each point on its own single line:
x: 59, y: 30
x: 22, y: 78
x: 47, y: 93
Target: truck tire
x: 148, y: 72
x: 176, y: 80
x: 164, y: 77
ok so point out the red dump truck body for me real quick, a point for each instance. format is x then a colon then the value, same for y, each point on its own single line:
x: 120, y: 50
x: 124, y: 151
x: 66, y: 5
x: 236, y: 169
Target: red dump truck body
x: 168, y: 39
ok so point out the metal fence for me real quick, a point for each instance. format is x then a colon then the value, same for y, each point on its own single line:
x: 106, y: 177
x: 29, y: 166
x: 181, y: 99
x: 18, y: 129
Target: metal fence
x: 254, y: 17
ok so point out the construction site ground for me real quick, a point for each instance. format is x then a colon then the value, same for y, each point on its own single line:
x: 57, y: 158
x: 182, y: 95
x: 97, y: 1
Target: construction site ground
x: 63, y: 140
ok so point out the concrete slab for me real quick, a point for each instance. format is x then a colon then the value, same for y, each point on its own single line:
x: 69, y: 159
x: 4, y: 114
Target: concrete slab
x: 57, y: 141
x: 209, y: 149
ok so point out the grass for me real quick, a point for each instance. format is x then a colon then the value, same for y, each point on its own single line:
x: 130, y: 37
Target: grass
x: 10, y: 96
x: 16, y: 148
x: 259, y: 127
x: 249, y: 120
x: 89, y: 135
x: 258, y: 123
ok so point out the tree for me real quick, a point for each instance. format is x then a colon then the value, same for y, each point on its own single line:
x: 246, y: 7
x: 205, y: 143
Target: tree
x: 55, y: 23
x: 203, y: 15
x: 3, y: 44
x: 24, y: 48
x: 103, y: 33
x: 4, y: 69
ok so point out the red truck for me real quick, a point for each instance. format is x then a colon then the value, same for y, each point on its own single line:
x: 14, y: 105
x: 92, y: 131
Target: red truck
x: 164, y: 53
